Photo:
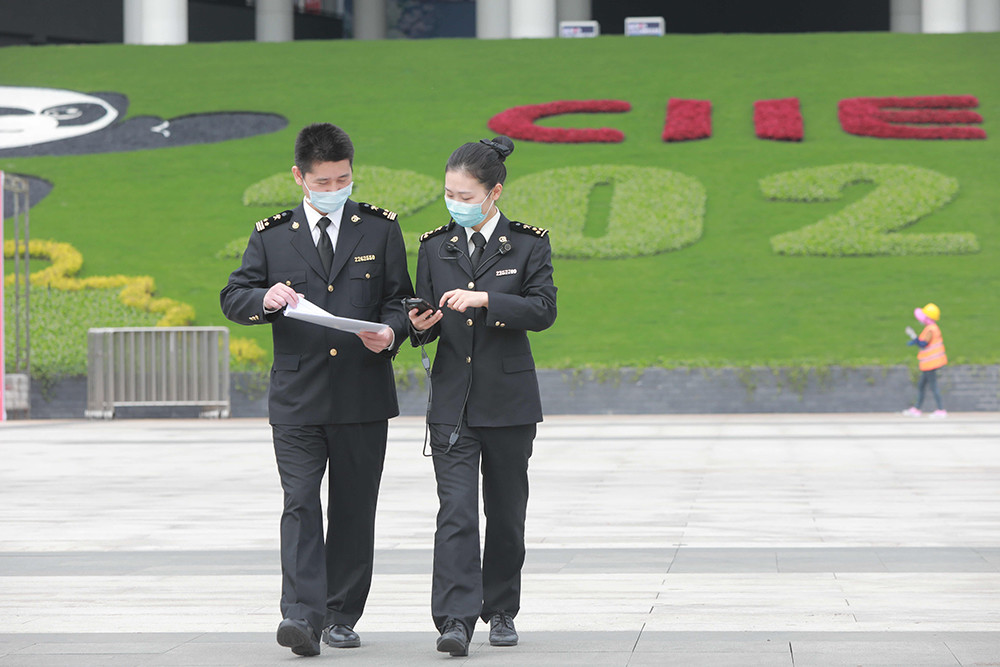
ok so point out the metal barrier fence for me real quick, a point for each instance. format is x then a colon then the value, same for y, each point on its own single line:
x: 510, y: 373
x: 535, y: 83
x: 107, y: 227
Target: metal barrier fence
x: 158, y: 367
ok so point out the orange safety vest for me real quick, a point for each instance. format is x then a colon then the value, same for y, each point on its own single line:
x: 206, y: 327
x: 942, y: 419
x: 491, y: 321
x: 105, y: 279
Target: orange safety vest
x: 933, y: 355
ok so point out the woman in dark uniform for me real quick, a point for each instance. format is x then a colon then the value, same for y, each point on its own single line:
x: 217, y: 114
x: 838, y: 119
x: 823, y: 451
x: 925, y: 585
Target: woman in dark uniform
x: 491, y: 282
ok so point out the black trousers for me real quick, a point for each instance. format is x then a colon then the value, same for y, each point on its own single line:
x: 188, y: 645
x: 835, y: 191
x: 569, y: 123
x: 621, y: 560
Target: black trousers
x: 327, y: 582
x: 462, y: 588
x: 928, y: 378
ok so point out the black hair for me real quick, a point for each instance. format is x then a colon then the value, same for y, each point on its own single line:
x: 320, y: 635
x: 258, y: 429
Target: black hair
x: 483, y: 160
x: 322, y: 142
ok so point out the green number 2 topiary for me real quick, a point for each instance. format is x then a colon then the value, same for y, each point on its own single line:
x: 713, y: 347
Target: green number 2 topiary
x: 903, y: 195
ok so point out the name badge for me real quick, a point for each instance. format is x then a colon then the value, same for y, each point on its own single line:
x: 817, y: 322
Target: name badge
x: 506, y: 272
x: 365, y: 258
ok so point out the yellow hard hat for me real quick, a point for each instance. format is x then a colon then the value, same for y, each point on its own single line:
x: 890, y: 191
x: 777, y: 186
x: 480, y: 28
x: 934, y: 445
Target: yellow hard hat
x: 932, y: 311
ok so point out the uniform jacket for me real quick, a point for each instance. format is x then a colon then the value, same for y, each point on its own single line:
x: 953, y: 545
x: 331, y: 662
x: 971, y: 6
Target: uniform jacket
x: 320, y: 375
x: 487, y: 347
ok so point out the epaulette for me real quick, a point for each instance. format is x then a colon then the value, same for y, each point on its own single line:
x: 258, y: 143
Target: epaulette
x: 273, y: 221
x: 375, y: 210
x: 434, y: 232
x: 528, y: 229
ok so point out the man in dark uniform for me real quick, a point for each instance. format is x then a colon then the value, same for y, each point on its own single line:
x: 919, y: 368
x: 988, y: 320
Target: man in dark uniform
x: 493, y: 283
x: 331, y: 392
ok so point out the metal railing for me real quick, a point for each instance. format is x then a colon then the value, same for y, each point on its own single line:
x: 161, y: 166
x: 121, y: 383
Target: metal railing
x: 158, y: 366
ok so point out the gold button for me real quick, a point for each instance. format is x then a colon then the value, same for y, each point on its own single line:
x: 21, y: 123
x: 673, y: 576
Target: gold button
x: 496, y: 324
x: 333, y: 351
x: 329, y: 288
x: 469, y: 322
x: 367, y: 276
x: 468, y: 360
x: 503, y: 324
x: 288, y: 282
x: 471, y: 285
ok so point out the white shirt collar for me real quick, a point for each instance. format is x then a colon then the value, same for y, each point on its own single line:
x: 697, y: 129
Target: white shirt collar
x: 313, y: 216
x: 486, y: 231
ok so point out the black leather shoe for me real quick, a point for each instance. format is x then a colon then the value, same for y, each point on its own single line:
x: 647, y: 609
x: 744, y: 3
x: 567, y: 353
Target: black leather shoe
x: 341, y: 636
x: 454, y: 638
x: 299, y: 636
x: 502, y: 632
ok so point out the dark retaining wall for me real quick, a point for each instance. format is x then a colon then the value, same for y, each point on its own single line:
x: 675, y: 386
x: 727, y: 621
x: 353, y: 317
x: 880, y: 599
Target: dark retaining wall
x: 651, y: 391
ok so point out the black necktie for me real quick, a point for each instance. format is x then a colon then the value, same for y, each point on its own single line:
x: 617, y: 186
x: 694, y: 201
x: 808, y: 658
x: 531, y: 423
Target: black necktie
x: 325, y: 246
x: 479, y: 241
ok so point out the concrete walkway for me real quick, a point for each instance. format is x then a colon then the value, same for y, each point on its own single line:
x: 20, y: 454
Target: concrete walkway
x: 655, y: 540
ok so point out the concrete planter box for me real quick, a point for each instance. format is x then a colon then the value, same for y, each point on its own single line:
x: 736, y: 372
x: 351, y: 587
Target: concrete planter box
x: 630, y: 391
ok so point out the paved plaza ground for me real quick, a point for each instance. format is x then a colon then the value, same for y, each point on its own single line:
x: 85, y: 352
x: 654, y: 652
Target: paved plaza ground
x: 655, y: 540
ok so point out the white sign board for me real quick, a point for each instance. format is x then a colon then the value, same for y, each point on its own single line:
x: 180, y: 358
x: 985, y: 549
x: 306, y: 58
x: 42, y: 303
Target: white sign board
x: 579, y: 28
x: 639, y: 26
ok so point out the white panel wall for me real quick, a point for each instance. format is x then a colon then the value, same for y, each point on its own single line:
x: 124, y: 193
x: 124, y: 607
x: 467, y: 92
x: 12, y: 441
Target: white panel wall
x: 275, y: 20
x: 533, y: 18
x: 155, y: 21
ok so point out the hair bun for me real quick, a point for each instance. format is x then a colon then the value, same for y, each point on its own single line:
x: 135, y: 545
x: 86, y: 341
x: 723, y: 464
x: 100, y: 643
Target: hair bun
x: 502, y: 145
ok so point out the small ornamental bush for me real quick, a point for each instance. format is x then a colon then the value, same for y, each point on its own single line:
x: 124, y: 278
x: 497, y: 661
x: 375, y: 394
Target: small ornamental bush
x: 59, y: 322
x: 246, y: 355
x: 653, y: 210
x: 137, y: 291
x: 904, y: 195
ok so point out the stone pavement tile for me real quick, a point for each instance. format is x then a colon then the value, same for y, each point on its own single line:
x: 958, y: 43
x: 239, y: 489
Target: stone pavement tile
x: 849, y: 653
x: 405, y: 648
x: 693, y: 559
x: 708, y: 658
x: 975, y: 651
x: 695, y: 649
x: 231, y: 654
x: 69, y: 660
x: 546, y: 643
x: 959, y: 601
x: 935, y: 559
x: 519, y: 657
x: 990, y: 555
x: 829, y: 559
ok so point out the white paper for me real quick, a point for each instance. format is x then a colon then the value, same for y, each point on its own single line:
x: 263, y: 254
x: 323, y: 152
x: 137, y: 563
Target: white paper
x: 310, y: 312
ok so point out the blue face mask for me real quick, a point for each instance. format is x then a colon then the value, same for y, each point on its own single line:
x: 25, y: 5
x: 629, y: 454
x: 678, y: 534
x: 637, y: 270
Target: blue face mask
x: 326, y: 202
x: 467, y: 215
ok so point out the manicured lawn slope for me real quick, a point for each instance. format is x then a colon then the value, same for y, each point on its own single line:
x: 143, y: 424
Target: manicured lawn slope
x: 726, y: 299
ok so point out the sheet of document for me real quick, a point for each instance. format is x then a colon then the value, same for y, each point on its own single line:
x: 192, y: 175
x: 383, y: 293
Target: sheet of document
x: 310, y: 312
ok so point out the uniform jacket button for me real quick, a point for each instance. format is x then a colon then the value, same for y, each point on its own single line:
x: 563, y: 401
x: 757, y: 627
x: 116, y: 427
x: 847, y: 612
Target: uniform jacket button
x: 468, y: 360
x: 333, y: 351
x: 288, y: 282
x: 471, y: 285
x: 468, y: 322
x: 329, y: 288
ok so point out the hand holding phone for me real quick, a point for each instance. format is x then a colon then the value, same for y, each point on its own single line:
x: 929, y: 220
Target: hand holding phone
x: 422, y: 305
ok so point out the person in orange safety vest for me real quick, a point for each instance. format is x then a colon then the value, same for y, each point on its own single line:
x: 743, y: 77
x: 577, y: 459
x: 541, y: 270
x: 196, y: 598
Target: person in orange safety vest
x: 931, y: 357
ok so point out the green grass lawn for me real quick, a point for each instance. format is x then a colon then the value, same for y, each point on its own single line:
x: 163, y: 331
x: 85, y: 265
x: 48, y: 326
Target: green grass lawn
x: 726, y: 299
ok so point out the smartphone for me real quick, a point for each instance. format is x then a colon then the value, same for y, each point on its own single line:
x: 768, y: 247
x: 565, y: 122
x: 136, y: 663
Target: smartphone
x: 422, y: 305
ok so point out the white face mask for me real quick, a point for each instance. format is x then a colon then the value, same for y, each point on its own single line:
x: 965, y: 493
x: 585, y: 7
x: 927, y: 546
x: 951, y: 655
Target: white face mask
x: 467, y: 215
x: 325, y: 202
